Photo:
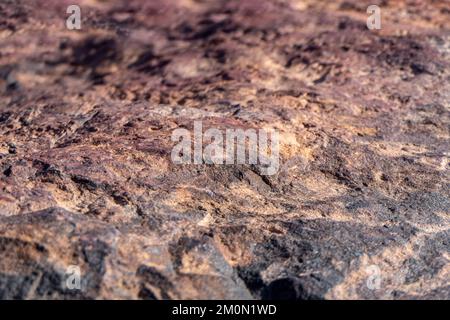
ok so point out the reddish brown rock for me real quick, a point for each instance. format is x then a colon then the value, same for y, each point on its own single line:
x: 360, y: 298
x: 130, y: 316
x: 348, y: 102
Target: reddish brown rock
x: 86, y: 178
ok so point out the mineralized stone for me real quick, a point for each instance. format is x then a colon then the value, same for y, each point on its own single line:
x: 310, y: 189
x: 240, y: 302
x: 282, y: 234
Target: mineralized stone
x: 359, y: 208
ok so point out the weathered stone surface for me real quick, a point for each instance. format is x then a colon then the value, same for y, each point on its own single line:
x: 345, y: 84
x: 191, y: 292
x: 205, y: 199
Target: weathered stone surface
x: 86, y: 177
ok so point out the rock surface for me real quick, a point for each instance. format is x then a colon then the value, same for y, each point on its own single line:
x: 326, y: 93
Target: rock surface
x: 360, y: 207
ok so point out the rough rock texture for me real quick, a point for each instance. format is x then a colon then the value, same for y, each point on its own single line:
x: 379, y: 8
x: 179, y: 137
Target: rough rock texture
x: 86, y: 177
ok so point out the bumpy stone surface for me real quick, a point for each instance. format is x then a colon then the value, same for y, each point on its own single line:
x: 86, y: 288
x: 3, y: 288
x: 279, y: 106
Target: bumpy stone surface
x: 86, y: 177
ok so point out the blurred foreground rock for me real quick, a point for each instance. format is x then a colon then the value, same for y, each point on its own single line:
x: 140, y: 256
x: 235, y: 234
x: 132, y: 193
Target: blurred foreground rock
x: 360, y: 207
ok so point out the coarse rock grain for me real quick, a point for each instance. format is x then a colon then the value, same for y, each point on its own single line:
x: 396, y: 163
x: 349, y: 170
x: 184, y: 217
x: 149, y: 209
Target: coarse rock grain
x: 86, y: 118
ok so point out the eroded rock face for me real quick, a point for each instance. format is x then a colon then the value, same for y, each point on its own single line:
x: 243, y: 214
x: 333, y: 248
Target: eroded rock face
x: 86, y: 119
